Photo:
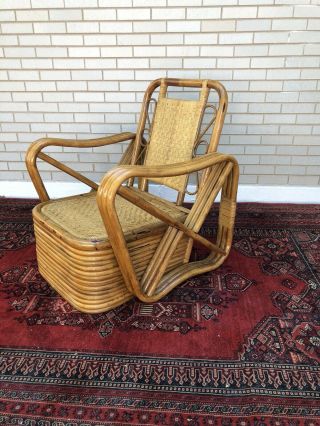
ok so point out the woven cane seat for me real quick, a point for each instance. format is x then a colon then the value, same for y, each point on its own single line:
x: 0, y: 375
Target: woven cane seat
x: 80, y: 217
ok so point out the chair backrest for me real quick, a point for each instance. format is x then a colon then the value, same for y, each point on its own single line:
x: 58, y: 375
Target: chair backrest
x: 175, y: 128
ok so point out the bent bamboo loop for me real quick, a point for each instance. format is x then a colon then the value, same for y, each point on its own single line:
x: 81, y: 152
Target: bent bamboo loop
x: 111, y: 185
x: 34, y: 152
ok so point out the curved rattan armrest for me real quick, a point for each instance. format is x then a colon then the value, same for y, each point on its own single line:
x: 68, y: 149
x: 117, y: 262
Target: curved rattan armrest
x: 115, y: 177
x: 34, y: 152
x: 42, y: 143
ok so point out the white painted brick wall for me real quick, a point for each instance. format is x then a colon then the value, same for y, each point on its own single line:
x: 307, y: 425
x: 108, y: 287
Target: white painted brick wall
x: 78, y: 69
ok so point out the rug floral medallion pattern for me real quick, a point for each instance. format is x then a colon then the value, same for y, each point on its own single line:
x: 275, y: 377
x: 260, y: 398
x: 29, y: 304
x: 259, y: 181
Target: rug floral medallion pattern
x: 247, y: 334
x: 186, y: 310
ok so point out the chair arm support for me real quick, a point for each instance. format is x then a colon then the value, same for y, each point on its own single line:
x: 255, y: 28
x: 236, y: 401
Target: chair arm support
x: 34, y: 152
x: 42, y: 143
x: 115, y: 177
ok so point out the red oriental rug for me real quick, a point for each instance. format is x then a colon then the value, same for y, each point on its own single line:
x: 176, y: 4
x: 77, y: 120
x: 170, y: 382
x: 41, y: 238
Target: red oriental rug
x: 237, y: 346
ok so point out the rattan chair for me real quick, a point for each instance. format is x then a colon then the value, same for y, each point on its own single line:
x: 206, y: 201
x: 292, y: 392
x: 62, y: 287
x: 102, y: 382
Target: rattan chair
x: 117, y: 241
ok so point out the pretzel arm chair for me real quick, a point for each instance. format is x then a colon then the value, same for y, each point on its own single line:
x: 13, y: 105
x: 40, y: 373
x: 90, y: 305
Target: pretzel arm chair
x: 117, y: 241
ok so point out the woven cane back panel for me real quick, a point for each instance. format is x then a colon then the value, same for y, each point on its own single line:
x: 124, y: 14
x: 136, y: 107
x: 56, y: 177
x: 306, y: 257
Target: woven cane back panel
x: 80, y: 216
x: 174, y: 131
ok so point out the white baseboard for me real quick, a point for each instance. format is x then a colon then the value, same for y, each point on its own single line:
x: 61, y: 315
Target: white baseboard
x: 248, y: 193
